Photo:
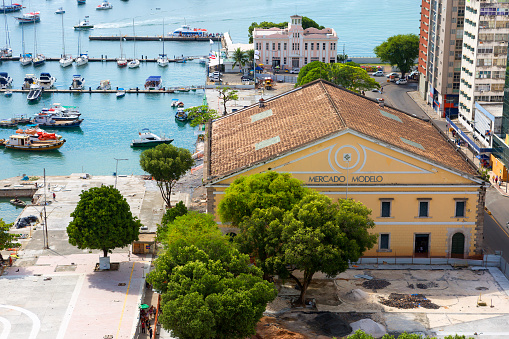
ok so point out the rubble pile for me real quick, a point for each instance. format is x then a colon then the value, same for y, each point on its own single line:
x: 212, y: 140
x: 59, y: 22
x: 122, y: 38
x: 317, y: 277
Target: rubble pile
x: 375, y: 284
x: 408, y: 301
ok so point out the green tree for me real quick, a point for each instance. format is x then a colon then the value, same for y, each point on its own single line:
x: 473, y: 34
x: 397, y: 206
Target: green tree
x: 303, y: 73
x: 263, y: 190
x: 200, y: 114
x: 227, y: 94
x: 240, y: 58
x: 306, y: 23
x: 250, y: 55
x: 166, y: 164
x: 7, y: 239
x: 400, y: 50
x: 169, y: 217
x: 102, y: 220
x: 341, y: 58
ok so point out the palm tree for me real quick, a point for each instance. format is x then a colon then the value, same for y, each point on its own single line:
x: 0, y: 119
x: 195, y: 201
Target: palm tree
x: 240, y: 58
x: 250, y: 55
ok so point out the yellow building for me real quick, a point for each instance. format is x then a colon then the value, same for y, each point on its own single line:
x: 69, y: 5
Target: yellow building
x: 425, y: 195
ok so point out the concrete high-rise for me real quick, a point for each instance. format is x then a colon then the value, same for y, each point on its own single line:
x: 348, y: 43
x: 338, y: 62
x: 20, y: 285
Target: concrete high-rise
x: 441, y: 43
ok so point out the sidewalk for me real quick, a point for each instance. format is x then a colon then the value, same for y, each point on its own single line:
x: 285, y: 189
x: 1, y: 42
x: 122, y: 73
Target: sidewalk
x: 428, y: 110
x: 501, y: 187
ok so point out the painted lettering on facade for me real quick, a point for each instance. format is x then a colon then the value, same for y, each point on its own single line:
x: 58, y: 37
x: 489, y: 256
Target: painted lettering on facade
x: 342, y: 178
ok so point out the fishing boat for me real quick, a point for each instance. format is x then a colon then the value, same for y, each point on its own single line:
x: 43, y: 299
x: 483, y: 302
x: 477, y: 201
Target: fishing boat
x: 48, y: 120
x: 181, y: 115
x: 6, y: 51
x: 10, y: 123
x: 122, y: 61
x: 46, y: 81
x: 78, y: 82
x: 149, y: 139
x: 60, y: 10
x: 104, y: 6
x: 82, y: 2
x: 135, y: 63
x: 8, y: 94
x: 84, y: 25
x: 5, y: 80
x: 66, y: 59
x: 22, y: 120
x: 10, y: 8
x: 35, y: 93
x: 29, y: 18
x: 104, y: 85
x: 187, y: 31
x: 25, y: 58
x: 153, y: 82
x: 30, y: 79
x: 163, y: 58
x: 22, y: 142
x: 120, y: 93
x: 18, y: 203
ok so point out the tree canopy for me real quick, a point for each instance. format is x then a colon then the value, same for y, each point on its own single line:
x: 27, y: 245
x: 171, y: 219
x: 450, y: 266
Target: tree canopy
x: 347, y: 75
x: 200, y: 114
x: 227, y: 94
x: 102, y: 220
x: 166, y: 164
x: 6, y: 238
x: 287, y: 227
x: 209, y: 289
x: 240, y: 58
x: 359, y: 334
x: 401, y: 50
x: 306, y: 23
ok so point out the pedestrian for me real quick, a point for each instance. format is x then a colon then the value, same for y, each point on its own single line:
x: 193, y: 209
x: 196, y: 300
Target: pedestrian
x: 54, y: 195
x: 382, y: 90
x: 150, y: 332
x: 10, y: 261
x: 496, y: 179
x: 142, y: 327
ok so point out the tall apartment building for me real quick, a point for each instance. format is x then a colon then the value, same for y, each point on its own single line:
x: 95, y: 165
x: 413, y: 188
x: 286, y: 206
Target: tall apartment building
x: 440, y: 49
x: 484, y: 56
x: 295, y: 46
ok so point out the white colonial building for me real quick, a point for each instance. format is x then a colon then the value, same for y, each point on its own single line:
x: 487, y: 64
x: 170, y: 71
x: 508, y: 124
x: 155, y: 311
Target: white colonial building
x: 294, y: 47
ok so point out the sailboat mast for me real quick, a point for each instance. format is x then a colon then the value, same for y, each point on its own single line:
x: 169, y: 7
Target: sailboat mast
x: 23, y: 40
x: 63, y: 41
x: 163, y: 39
x: 134, y: 39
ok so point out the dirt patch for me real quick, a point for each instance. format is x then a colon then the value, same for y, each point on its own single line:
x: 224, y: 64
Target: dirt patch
x: 270, y: 328
x: 324, y: 292
x: 330, y: 324
x: 375, y: 284
x: 408, y: 301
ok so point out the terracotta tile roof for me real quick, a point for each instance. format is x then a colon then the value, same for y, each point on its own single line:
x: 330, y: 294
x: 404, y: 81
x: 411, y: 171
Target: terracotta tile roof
x: 312, y: 112
x: 313, y: 30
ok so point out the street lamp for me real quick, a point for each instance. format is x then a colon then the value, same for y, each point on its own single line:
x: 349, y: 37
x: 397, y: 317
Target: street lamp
x: 116, y: 170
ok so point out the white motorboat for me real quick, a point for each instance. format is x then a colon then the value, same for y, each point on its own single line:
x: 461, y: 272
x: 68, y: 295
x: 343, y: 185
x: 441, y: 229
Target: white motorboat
x: 78, y: 82
x: 104, y: 85
x: 60, y: 10
x: 48, y: 119
x: 5, y: 80
x: 187, y: 31
x: 46, y: 81
x: 28, y: 81
x: 35, y: 93
x: 84, y: 25
x: 149, y: 139
x: 153, y: 82
x: 8, y: 94
x: 120, y: 93
x: 66, y: 59
x: 104, y: 6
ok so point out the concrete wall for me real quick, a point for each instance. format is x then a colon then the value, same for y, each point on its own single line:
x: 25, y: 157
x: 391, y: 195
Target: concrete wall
x: 17, y: 192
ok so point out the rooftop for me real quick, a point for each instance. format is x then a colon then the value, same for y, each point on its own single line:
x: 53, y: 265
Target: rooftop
x: 315, y: 111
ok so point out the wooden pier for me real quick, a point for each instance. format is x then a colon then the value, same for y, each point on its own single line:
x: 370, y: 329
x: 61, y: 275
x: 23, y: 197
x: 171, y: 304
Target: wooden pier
x: 154, y: 38
x: 164, y: 90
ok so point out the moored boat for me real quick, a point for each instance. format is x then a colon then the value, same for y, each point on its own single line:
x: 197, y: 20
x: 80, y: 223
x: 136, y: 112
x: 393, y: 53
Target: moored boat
x: 18, y: 203
x: 11, y: 123
x: 39, y: 60
x: 48, y: 120
x: 104, y: 85
x: 153, y: 82
x: 78, y: 82
x: 46, y: 81
x: 10, y: 8
x: 35, y: 93
x: 181, y: 115
x: 149, y: 139
x: 60, y: 10
x: 5, y: 80
x: 22, y: 142
x: 82, y: 2
x: 28, y: 18
x: 120, y: 93
x: 30, y: 79
x: 104, y: 6
x: 176, y: 103
x: 8, y: 93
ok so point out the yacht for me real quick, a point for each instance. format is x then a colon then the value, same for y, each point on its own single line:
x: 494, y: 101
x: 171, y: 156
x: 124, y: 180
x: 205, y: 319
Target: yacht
x: 104, y: 85
x: 163, y: 58
x: 29, y: 80
x: 104, y: 6
x: 25, y: 59
x: 153, y: 82
x: 5, y: 80
x: 46, y: 81
x: 39, y: 60
x: 66, y: 60
x: 48, y: 119
x: 148, y: 139
x: 135, y: 63
x: 35, y: 93
x: 78, y: 82
x: 82, y: 59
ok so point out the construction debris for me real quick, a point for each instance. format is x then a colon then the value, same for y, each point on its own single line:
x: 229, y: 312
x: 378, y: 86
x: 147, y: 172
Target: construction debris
x: 375, y: 284
x: 408, y: 301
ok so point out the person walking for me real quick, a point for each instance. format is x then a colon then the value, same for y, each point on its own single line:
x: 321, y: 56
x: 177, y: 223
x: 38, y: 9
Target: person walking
x: 142, y: 327
x: 54, y: 195
x: 150, y: 332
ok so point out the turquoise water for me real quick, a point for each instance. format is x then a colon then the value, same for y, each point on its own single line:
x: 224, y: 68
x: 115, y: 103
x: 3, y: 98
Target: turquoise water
x: 111, y: 123
x: 9, y: 212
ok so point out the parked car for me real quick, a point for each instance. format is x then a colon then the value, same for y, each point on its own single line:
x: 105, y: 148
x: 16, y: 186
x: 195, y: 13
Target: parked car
x: 215, y: 74
x: 402, y: 81
x: 394, y: 74
x: 378, y: 73
x: 246, y: 78
x: 294, y: 71
x: 216, y: 79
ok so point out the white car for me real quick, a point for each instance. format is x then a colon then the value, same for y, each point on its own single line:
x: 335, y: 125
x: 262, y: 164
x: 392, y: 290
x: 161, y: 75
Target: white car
x: 396, y: 75
x: 378, y: 74
x: 401, y: 81
x: 294, y: 71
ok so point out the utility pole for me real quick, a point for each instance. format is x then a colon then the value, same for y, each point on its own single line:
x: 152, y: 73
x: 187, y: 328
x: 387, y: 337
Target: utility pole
x: 116, y: 170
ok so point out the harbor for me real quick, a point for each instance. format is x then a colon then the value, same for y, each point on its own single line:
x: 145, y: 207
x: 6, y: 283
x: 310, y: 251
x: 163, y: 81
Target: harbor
x: 164, y: 90
x: 155, y: 38
x: 105, y: 58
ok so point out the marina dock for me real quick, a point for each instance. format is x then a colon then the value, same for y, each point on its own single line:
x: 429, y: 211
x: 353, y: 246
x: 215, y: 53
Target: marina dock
x: 154, y: 38
x: 106, y: 59
x: 183, y: 89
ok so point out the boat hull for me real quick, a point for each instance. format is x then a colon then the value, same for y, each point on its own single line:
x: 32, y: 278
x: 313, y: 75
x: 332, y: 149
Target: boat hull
x: 37, y: 148
x: 150, y: 144
x: 62, y: 124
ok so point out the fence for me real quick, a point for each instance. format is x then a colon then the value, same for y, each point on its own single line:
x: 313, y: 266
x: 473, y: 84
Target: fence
x: 393, y: 259
x: 278, y: 77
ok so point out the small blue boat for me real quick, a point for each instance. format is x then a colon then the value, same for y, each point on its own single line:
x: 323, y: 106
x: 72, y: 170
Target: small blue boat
x: 181, y: 115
